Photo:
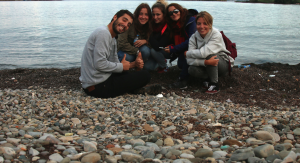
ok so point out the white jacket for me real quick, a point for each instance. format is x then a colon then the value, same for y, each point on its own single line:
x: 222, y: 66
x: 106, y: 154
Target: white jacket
x: 212, y: 43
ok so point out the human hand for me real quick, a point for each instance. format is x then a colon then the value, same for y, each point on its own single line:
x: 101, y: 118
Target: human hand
x: 139, y: 43
x: 139, y: 63
x: 212, y: 61
x: 185, y: 54
x: 126, y: 64
x: 167, y: 49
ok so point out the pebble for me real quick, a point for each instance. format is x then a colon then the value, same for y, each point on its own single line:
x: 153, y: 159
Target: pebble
x: 58, y: 125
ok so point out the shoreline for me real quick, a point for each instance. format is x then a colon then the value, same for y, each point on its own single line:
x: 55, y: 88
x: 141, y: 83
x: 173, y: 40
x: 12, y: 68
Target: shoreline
x: 250, y: 86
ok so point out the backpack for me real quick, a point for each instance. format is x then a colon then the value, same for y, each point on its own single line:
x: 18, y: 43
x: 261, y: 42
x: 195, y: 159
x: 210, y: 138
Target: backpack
x: 192, y: 12
x: 230, y: 47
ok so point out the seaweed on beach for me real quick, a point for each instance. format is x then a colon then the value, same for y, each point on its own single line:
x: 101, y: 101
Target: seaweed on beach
x: 252, y: 86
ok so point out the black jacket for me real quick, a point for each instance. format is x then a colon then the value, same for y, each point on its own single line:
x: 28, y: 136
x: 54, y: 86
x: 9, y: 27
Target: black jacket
x: 161, y: 38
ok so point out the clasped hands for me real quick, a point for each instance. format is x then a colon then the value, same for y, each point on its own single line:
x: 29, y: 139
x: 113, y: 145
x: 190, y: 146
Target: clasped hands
x: 139, y: 43
x: 138, y: 63
x: 211, y: 61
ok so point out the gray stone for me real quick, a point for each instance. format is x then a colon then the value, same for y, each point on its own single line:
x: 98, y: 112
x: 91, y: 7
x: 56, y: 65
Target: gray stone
x: 272, y: 158
x: 8, y: 150
x: 283, y: 154
x: 69, y: 151
x: 263, y: 135
x: 35, y: 134
x: 56, y: 157
x: 269, y: 129
x: 297, y: 131
x: 264, y: 151
x: 33, y: 152
x: 175, y: 152
x: 219, y: 154
x: 148, y: 154
x: 182, y: 161
x: 255, y: 160
x: 66, y: 160
x: 89, y: 146
x: 159, y: 142
x: 91, y: 158
x: 111, y: 159
x: 188, y: 156
x: 153, y: 145
x: 131, y: 157
x: 290, y: 136
x: 242, y: 154
x: 290, y: 157
x: 201, y: 153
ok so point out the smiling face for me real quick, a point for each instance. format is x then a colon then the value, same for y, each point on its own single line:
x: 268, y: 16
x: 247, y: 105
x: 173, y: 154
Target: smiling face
x: 202, y: 27
x: 174, y: 16
x: 122, y: 24
x: 143, y: 16
x: 157, y: 15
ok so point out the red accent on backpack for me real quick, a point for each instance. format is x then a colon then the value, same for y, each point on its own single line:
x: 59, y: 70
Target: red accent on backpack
x: 230, y: 47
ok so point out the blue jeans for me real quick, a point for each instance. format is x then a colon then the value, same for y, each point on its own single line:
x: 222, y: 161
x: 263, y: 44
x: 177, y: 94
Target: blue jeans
x: 145, y: 50
x: 160, y: 57
x: 149, y: 64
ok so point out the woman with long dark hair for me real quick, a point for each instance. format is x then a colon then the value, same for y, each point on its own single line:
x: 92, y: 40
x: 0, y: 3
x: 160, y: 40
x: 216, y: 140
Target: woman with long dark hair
x: 136, y: 37
x: 160, y: 36
x: 183, y: 26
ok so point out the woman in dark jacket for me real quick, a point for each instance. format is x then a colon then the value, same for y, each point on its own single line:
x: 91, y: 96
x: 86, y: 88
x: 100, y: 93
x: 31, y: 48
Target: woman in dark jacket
x: 160, y: 36
x: 183, y: 26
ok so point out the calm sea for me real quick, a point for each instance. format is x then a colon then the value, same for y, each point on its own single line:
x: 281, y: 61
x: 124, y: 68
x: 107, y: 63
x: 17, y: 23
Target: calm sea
x: 44, y: 34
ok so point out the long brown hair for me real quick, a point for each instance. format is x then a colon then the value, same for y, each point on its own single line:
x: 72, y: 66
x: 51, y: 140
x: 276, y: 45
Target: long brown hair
x: 182, y: 19
x: 145, y: 29
x: 161, y: 5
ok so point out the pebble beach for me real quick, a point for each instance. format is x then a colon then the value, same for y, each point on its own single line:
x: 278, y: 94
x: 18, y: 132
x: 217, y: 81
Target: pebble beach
x: 58, y: 125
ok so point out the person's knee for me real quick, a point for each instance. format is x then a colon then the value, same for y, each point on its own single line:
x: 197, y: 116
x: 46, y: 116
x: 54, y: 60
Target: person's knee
x: 153, y: 52
x: 209, y: 56
x: 197, y: 72
x: 192, y: 70
x: 130, y: 58
x: 145, y: 50
x: 120, y: 55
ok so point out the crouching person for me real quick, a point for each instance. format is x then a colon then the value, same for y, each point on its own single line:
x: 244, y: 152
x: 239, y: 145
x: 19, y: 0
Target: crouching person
x: 102, y: 74
x: 207, y: 53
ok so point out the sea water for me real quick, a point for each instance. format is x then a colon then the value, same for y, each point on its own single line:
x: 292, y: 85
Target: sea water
x: 52, y: 34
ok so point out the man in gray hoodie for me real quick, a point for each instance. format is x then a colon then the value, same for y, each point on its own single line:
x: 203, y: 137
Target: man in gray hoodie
x: 102, y: 74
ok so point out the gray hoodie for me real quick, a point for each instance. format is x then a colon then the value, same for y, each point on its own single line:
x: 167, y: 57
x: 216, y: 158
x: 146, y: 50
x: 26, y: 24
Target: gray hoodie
x: 212, y: 43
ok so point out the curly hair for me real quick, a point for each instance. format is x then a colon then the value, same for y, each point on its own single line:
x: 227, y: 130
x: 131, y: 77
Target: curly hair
x: 143, y: 29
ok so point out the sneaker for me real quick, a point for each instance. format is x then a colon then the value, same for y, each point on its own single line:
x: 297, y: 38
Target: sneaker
x: 162, y: 70
x: 205, y: 85
x: 213, y: 88
x: 151, y: 90
x: 181, y: 84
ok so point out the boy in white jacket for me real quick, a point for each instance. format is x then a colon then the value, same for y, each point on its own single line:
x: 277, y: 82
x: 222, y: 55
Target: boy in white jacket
x: 207, y: 53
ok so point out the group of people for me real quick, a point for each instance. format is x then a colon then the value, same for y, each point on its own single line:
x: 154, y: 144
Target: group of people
x: 144, y: 41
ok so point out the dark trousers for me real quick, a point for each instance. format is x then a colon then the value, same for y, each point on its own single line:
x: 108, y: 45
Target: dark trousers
x: 120, y: 83
x: 182, y: 64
